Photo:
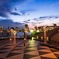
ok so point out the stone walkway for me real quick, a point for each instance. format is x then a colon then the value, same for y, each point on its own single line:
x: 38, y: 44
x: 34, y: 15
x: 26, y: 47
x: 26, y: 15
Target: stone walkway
x: 32, y: 50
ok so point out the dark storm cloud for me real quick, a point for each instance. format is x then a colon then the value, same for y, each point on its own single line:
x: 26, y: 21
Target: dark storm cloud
x: 6, y: 5
x: 14, y: 13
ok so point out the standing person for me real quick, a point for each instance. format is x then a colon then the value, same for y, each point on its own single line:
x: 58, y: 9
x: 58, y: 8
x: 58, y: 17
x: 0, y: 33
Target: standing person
x: 26, y: 30
x: 13, y: 34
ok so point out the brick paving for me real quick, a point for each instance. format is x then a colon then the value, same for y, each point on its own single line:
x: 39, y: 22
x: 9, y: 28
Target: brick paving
x: 32, y: 50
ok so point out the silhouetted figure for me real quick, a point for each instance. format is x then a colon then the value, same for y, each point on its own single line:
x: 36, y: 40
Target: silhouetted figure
x: 13, y: 32
x: 26, y: 29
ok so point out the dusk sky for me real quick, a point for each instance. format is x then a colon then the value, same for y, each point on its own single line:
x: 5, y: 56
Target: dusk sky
x: 21, y: 10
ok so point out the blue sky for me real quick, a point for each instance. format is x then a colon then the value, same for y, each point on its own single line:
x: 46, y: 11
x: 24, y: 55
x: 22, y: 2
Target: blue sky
x: 20, y: 10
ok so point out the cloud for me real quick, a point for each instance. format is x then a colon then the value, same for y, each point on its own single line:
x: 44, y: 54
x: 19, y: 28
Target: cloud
x: 26, y: 11
x: 15, y: 13
x: 6, y: 6
x: 9, y: 23
x: 2, y: 18
x: 23, y: 12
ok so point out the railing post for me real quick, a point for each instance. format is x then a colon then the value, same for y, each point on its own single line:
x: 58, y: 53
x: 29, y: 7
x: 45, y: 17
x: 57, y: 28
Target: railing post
x: 45, y: 37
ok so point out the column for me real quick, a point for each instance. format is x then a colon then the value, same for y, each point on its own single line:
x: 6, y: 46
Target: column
x: 45, y: 37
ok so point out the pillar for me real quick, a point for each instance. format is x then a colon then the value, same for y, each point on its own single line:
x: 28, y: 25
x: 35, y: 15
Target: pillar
x: 45, y: 37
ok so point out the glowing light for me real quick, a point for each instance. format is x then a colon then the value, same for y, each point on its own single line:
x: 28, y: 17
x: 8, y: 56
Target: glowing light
x: 14, y: 32
x: 41, y: 38
x: 38, y: 31
x: 24, y: 38
x: 10, y: 39
x: 47, y: 38
x: 37, y: 37
x: 32, y: 38
x: 31, y: 31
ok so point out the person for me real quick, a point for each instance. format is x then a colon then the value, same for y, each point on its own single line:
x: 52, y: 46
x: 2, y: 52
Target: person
x: 26, y: 30
x: 13, y: 34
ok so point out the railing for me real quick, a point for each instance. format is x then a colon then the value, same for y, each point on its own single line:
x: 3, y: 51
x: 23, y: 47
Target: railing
x: 51, y: 33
